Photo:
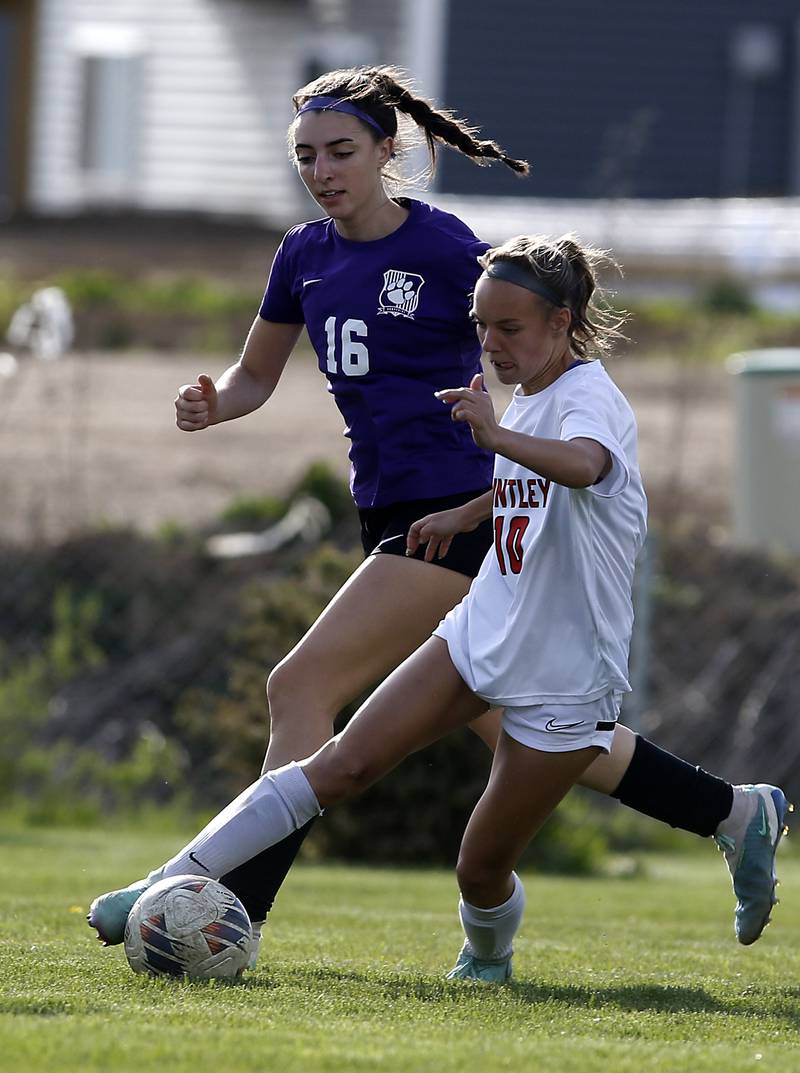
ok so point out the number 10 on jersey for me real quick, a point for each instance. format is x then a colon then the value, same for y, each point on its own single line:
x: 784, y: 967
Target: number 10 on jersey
x: 353, y: 356
x: 510, y: 550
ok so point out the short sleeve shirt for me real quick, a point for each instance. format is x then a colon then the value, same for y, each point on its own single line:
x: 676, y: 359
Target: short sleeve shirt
x: 549, y: 617
x: 389, y: 322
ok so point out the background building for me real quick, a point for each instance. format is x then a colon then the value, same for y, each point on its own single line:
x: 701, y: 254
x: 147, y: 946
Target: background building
x: 671, y: 135
x: 184, y: 106
x: 633, y: 100
x: 170, y: 107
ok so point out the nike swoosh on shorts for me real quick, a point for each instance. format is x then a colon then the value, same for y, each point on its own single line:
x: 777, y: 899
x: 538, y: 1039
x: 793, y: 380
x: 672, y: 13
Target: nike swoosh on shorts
x: 552, y: 725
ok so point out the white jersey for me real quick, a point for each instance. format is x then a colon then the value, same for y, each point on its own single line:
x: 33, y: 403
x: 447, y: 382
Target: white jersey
x: 549, y: 617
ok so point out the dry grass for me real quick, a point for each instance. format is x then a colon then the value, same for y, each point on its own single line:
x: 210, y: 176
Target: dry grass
x: 91, y: 440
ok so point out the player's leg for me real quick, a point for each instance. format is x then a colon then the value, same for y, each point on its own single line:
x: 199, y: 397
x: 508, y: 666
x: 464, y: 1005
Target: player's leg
x: 746, y: 821
x: 389, y: 607
x: 605, y: 773
x: 421, y: 701
x: 656, y: 783
x: 386, y: 610
x: 525, y: 786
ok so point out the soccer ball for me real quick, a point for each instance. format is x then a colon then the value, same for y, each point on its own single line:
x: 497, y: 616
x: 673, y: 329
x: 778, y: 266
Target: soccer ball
x: 188, y: 926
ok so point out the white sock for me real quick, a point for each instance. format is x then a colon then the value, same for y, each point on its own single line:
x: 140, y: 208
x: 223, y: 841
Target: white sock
x: 490, y: 932
x: 266, y: 812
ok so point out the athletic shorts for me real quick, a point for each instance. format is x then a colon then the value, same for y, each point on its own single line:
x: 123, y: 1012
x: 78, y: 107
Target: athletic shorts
x: 384, y: 530
x: 563, y: 728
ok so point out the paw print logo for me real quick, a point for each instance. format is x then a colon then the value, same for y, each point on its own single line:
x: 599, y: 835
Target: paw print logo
x: 400, y: 293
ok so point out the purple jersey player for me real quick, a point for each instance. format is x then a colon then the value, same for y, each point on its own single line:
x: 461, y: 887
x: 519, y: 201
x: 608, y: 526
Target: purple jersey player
x: 383, y: 285
x: 389, y: 321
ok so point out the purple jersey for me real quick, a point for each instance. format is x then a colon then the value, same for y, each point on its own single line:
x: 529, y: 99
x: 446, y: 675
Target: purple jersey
x: 389, y: 321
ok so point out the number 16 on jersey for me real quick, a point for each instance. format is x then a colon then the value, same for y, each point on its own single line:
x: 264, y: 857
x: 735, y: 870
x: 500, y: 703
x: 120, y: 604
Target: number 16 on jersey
x: 353, y: 357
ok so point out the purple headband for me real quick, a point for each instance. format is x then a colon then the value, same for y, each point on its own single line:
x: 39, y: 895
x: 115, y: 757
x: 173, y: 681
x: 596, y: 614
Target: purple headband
x: 336, y: 104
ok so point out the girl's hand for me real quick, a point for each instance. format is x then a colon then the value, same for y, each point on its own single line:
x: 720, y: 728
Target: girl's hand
x: 437, y: 531
x: 196, y: 404
x: 473, y: 404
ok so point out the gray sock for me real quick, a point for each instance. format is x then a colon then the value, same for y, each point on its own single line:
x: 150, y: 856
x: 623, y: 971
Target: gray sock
x: 266, y: 812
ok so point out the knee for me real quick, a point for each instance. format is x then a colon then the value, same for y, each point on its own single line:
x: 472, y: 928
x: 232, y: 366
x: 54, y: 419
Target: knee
x: 338, y: 774
x: 278, y: 689
x: 288, y: 693
x: 296, y: 689
x: 479, y: 879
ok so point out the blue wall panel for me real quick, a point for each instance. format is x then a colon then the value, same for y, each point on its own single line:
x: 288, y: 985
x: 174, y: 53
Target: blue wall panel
x: 620, y: 98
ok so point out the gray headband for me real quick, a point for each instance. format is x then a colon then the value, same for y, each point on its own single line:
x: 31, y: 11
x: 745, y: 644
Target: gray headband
x: 511, y: 272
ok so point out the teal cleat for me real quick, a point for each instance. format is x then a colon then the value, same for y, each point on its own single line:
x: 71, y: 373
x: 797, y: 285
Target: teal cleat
x: 489, y: 972
x: 750, y: 851
x: 108, y: 913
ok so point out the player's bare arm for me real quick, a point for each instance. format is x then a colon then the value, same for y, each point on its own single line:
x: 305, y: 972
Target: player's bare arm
x: 576, y: 463
x: 244, y: 386
x: 437, y: 530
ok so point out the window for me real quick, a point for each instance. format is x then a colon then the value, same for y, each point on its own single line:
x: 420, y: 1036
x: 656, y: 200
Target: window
x: 110, y: 86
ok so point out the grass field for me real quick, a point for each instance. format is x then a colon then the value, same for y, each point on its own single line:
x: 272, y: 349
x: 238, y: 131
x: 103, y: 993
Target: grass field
x: 615, y: 975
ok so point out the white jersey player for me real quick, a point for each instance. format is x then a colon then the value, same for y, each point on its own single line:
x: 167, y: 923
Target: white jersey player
x: 547, y: 624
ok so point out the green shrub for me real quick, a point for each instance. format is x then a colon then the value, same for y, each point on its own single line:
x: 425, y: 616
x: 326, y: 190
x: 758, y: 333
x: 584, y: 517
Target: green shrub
x: 320, y: 481
x: 65, y: 783
x: 253, y: 512
x: 225, y: 727
x: 172, y: 533
x: 726, y: 295
x: 27, y: 684
x: 12, y: 295
x: 92, y: 288
x: 172, y: 311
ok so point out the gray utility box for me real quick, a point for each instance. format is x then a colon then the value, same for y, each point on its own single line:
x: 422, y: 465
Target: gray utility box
x: 766, y: 489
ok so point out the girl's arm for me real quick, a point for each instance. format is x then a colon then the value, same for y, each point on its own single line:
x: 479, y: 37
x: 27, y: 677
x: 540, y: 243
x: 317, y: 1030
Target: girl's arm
x: 575, y: 463
x: 437, y: 530
x: 245, y: 385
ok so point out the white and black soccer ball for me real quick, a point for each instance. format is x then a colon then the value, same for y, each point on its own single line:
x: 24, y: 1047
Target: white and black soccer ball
x: 188, y: 926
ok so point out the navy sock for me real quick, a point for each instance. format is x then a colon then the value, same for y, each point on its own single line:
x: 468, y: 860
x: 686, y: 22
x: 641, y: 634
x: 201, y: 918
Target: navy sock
x: 665, y: 787
x: 257, y: 882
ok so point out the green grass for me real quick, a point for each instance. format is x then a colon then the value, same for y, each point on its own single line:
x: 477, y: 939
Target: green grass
x: 611, y: 975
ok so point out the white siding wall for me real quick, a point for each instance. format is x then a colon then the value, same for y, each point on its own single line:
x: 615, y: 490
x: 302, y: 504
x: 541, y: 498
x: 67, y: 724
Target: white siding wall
x: 214, y: 106
x: 214, y: 98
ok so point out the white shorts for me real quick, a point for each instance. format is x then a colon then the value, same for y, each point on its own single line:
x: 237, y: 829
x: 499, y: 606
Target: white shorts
x: 562, y: 728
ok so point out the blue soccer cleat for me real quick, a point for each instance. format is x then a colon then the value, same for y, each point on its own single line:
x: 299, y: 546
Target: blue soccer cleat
x: 108, y: 913
x: 749, y: 851
x: 488, y: 972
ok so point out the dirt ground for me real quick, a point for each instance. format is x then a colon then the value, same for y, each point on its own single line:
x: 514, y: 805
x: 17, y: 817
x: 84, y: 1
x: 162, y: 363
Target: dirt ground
x: 91, y: 439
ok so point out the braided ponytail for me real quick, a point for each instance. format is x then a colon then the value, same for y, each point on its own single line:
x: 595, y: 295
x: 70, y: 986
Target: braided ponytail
x: 382, y: 91
x: 443, y: 126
